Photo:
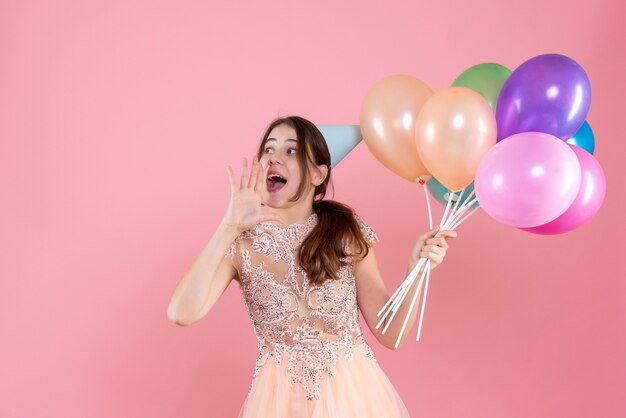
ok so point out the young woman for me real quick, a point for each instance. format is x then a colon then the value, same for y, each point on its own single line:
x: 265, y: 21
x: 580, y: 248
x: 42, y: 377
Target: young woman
x: 305, y: 268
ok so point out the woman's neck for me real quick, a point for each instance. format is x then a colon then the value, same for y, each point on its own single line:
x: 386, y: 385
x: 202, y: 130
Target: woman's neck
x: 299, y: 213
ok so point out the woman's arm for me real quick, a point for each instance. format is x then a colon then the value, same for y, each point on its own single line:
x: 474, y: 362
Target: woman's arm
x: 211, y: 272
x: 372, y: 294
x: 205, y: 281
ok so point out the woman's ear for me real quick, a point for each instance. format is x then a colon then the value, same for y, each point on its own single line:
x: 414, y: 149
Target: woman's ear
x: 319, y: 175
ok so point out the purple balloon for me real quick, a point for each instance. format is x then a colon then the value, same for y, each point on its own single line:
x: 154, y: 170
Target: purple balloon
x: 549, y: 93
x: 528, y: 180
x: 587, y: 202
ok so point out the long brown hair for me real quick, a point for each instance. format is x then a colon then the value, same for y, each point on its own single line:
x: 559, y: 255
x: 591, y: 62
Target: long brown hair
x: 337, y: 234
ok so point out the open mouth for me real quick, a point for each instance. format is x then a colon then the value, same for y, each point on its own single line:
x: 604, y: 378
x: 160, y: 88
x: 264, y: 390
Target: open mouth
x: 275, y: 182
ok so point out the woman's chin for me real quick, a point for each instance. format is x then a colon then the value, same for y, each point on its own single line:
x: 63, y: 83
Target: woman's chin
x: 271, y: 200
x: 273, y: 205
x: 275, y: 199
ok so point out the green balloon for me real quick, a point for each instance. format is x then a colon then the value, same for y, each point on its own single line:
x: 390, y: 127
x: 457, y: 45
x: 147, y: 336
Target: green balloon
x: 485, y: 79
x: 442, y: 194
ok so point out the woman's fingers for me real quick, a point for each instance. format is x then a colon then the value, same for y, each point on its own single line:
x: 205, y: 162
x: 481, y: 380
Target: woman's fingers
x: 261, y: 176
x: 254, y: 173
x: 244, y: 174
x: 429, y: 234
x: 231, y: 179
x: 436, y: 234
x: 433, y: 249
x: 440, y: 241
x: 435, y: 253
x: 438, y: 258
x: 435, y: 244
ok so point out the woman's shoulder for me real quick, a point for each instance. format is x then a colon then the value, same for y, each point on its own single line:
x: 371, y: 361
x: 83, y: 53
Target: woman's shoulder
x: 367, y: 231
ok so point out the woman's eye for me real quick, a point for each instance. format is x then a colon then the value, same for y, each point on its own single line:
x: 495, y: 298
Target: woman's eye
x: 267, y: 150
x: 295, y: 151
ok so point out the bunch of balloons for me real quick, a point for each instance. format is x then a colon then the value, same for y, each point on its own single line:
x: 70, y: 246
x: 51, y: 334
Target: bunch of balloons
x: 515, y: 143
x: 541, y: 175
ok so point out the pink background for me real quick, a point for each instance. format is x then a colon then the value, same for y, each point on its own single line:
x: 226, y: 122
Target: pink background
x: 117, y: 121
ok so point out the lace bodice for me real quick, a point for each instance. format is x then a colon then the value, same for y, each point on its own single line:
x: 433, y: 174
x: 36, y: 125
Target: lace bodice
x: 312, y: 324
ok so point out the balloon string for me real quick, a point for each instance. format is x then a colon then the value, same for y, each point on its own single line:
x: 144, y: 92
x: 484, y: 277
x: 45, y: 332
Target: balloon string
x: 445, y: 213
x: 399, y: 292
x: 394, y: 307
x: 417, y: 292
x: 443, y: 226
x: 469, y: 201
x: 411, y: 278
x: 456, y: 203
x: 453, y: 217
x: 396, y: 300
x: 419, y: 327
x: 448, y: 225
x: 430, y: 213
x: 471, y: 212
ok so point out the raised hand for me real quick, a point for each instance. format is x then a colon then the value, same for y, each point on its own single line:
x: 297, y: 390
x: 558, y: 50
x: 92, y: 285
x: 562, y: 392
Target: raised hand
x: 244, y: 209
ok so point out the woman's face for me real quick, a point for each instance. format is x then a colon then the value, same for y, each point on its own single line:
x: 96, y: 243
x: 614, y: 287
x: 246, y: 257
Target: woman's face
x: 280, y: 153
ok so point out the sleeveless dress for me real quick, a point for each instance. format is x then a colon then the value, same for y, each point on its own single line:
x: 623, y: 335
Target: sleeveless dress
x: 313, y: 360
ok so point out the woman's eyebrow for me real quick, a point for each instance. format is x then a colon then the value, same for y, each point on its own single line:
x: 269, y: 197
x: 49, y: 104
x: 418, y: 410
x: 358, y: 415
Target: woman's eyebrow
x: 287, y: 140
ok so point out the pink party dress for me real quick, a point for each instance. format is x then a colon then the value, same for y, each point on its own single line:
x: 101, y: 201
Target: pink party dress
x: 313, y: 360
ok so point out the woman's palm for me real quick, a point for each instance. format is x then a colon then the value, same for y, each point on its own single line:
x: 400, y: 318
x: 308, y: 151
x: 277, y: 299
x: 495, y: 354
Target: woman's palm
x: 244, y: 209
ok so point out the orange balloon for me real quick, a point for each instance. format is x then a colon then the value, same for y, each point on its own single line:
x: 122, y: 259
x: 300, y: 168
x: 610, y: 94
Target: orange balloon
x: 388, y: 116
x: 454, y: 130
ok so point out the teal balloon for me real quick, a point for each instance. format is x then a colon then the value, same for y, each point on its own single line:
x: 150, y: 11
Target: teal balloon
x: 341, y: 139
x: 584, y: 138
x: 442, y: 194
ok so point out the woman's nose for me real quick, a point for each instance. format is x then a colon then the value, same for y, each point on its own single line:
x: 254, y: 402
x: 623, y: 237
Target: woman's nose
x: 275, y: 160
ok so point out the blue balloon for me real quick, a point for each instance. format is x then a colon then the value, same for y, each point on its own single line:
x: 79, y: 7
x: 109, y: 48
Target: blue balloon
x: 584, y: 138
x: 341, y: 139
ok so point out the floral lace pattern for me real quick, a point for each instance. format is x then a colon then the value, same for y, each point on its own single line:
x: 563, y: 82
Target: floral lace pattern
x: 311, y: 324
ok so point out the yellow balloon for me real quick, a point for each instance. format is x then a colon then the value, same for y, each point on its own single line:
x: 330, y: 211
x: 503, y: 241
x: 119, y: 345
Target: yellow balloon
x: 453, y: 132
x: 388, y: 116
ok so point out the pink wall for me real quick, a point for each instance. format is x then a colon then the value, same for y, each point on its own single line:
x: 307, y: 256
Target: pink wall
x: 117, y: 121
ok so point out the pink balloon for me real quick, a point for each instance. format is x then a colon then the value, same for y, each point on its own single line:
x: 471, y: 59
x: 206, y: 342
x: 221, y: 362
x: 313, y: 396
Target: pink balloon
x: 528, y: 179
x: 587, y: 202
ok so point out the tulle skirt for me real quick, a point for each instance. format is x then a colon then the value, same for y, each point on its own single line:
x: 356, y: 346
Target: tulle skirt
x: 360, y: 388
